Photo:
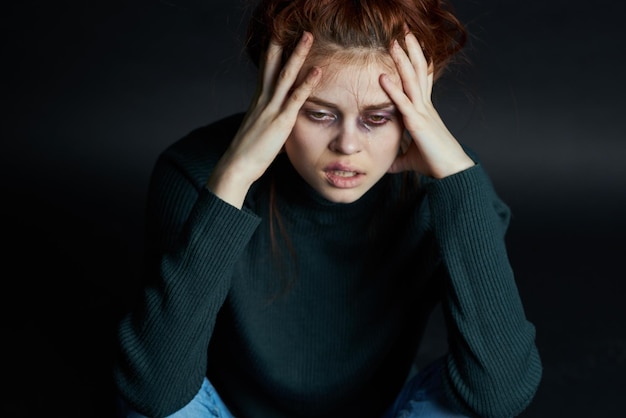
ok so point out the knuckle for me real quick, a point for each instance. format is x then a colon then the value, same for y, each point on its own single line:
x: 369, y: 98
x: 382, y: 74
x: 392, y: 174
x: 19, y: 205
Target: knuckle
x: 296, y: 95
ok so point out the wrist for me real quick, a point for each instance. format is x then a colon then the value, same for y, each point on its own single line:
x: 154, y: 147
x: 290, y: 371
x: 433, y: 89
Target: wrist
x: 451, y: 168
x: 229, y: 185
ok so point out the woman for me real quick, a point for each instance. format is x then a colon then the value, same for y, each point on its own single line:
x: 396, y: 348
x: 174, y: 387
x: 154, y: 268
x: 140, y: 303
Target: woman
x: 296, y: 252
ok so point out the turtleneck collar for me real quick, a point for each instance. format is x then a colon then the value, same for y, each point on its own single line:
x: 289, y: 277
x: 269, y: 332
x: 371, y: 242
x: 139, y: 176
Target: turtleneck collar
x: 297, y: 198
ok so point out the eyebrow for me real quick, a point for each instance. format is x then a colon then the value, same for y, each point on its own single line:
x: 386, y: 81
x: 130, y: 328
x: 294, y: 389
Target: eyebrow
x: 376, y: 106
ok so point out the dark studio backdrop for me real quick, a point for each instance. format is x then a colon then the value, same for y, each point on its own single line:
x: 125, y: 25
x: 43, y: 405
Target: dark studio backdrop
x: 94, y: 90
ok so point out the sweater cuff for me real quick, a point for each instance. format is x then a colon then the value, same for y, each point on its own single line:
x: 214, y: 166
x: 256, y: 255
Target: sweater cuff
x: 470, y: 185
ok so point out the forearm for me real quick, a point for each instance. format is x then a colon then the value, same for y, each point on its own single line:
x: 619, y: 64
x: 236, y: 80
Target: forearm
x: 163, y: 341
x: 493, y: 366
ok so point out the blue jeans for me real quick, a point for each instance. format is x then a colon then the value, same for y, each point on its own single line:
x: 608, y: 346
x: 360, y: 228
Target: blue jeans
x: 421, y: 397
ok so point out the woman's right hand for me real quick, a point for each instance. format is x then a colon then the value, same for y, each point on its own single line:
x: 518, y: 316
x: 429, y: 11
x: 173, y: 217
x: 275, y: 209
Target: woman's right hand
x: 267, y: 124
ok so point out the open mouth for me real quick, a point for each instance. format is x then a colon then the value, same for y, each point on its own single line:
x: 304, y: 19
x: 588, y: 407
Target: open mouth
x: 341, y: 173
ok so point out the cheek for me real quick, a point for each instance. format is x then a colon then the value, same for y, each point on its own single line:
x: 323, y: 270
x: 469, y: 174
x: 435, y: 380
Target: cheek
x: 301, y: 145
x: 297, y: 138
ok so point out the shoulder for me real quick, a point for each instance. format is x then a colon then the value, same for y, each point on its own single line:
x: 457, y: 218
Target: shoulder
x: 195, y: 154
x: 206, y: 142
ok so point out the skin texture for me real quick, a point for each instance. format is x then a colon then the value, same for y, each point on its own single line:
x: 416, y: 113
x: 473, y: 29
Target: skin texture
x: 323, y: 124
x: 348, y: 132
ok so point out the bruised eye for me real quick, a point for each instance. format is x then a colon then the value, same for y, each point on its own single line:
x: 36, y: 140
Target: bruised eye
x: 375, y: 120
x: 320, y: 116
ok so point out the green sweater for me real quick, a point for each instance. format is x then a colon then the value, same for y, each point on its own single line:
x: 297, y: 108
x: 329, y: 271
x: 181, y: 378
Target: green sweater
x: 325, y: 318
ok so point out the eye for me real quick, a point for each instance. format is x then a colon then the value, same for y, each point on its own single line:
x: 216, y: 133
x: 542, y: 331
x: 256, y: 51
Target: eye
x: 376, y: 120
x: 320, y: 116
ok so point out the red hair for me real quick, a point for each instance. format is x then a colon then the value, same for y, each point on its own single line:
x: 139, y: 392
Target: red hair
x: 343, y: 25
x: 372, y: 24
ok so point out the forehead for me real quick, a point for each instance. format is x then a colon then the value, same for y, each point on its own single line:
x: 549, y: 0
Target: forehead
x: 353, y: 79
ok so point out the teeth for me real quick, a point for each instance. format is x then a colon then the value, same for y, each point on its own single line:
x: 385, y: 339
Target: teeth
x: 344, y: 173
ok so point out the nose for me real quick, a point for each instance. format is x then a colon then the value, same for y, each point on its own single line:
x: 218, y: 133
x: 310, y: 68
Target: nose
x: 347, y: 141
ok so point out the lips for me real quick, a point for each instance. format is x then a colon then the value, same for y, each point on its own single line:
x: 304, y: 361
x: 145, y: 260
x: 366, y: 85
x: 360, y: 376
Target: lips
x: 341, y: 168
x: 341, y: 173
x: 343, y: 176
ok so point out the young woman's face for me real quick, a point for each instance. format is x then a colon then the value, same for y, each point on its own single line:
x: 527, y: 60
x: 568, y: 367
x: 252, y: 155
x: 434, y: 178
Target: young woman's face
x: 347, y: 133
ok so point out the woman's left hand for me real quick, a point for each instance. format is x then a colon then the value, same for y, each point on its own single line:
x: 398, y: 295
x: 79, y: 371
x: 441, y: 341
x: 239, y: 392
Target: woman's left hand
x: 433, y: 150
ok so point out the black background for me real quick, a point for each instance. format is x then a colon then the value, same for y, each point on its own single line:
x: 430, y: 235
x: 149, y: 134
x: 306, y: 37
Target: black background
x: 93, y: 90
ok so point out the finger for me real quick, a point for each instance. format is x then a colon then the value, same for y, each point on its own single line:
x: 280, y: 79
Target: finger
x: 407, y: 73
x: 266, y: 76
x: 399, y: 97
x: 300, y: 94
x: 431, y: 78
x: 416, y: 52
x: 271, y: 65
x: 268, y: 70
x: 418, y: 61
x: 290, y: 71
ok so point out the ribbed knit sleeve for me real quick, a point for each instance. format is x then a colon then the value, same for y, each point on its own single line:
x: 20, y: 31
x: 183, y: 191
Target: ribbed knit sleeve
x: 493, y: 367
x: 194, y: 239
